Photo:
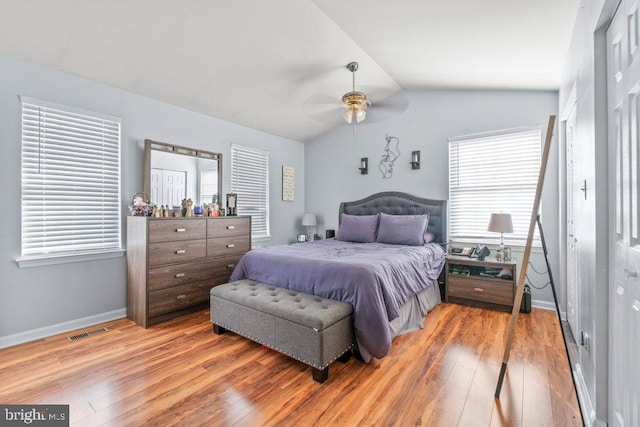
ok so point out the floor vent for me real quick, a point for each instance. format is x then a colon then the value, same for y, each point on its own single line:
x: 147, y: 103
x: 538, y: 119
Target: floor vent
x: 88, y: 334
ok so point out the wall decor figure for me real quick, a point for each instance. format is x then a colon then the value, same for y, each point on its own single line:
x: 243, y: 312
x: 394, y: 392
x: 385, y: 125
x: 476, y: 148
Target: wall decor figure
x: 391, y: 154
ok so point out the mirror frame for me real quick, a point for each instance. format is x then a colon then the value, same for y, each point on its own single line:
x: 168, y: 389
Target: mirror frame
x: 151, y: 145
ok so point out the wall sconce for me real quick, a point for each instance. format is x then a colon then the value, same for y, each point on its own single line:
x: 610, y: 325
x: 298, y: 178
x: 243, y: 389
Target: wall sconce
x: 415, y: 160
x: 364, y: 166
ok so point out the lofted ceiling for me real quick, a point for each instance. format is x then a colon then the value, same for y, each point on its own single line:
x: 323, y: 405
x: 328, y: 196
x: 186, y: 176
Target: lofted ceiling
x: 279, y: 66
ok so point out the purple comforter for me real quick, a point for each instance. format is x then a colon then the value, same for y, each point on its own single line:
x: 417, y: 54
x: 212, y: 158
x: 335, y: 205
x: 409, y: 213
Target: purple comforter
x: 375, y: 278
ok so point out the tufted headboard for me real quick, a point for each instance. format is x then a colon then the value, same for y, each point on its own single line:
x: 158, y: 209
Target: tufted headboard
x: 397, y: 203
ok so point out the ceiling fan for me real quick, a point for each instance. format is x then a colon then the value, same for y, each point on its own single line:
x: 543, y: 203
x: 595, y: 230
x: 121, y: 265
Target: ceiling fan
x: 355, y: 103
x: 354, y: 106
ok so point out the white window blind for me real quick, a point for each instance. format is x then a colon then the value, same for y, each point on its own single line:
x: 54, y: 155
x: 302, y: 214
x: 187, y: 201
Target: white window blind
x: 70, y: 180
x: 250, y: 180
x: 208, y: 185
x: 493, y: 173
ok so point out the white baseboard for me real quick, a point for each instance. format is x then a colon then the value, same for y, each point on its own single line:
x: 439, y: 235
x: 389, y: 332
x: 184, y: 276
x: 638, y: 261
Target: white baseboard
x: 47, y: 331
x: 586, y: 406
x: 544, y: 305
x: 547, y: 305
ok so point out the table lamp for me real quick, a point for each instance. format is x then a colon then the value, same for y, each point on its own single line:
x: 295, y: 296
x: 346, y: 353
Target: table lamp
x: 309, y: 220
x: 500, y: 223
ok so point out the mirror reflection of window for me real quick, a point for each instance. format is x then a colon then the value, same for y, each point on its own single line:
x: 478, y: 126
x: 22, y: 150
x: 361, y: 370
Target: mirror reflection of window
x: 209, y: 186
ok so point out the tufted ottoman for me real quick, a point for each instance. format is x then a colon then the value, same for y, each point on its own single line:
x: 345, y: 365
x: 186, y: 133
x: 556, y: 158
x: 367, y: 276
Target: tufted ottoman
x: 313, y: 330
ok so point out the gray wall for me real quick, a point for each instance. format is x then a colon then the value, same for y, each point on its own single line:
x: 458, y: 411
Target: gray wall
x: 43, y: 296
x: 333, y: 158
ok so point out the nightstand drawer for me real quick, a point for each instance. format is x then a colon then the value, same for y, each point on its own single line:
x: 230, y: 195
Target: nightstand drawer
x: 495, y: 292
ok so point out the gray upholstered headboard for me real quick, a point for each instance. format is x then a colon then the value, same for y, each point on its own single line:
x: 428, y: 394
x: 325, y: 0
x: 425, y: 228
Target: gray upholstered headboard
x: 396, y: 203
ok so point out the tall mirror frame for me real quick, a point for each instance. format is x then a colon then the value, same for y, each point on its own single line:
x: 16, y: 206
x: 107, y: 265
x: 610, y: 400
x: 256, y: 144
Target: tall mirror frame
x: 154, y: 148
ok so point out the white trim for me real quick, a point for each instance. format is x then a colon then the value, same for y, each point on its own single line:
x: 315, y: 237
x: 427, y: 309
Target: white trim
x: 53, y: 259
x: 544, y: 305
x: 34, y: 101
x: 586, y: 406
x: 59, y: 328
x: 246, y: 147
x: 495, y: 133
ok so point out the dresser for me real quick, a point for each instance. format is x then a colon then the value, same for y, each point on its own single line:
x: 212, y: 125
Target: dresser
x: 172, y: 263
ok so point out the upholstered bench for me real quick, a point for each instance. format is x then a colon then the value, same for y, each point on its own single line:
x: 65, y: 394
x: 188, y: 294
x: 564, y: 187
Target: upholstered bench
x: 313, y: 330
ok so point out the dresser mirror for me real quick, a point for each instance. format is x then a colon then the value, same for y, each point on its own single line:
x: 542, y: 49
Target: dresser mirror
x: 173, y: 173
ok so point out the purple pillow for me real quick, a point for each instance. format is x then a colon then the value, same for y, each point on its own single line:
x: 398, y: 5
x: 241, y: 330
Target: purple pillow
x: 402, y: 229
x: 429, y: 237
x: 358, y: 228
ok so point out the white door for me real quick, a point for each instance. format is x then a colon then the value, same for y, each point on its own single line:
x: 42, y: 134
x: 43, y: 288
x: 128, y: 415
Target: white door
x: 174, y: 186
x: 168, y: 187
x: 623, y: 87
x: 573, y: 296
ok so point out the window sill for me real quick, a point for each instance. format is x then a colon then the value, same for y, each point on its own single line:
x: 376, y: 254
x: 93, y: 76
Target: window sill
x: 54, y: 259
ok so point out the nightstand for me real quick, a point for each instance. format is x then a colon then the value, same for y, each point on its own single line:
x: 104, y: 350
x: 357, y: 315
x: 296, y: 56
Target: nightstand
x: 476, y: 283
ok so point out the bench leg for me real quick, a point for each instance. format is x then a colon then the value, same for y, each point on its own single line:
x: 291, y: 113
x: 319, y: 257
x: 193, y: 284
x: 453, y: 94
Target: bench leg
x: 320, y: 375
x: 345, y: 357
x: 218, y: 329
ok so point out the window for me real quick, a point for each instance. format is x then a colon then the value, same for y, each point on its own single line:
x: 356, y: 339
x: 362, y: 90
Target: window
x: 250, y: 180
x: 70, y: 181
x: 493, y: 173
x: 209, y: 185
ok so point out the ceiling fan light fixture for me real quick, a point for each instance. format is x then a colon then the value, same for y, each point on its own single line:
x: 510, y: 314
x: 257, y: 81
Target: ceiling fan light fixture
x: 355, y: 103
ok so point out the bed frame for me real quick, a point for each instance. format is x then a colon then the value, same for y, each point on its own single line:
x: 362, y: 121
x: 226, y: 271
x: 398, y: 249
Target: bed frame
x: 397, y: 203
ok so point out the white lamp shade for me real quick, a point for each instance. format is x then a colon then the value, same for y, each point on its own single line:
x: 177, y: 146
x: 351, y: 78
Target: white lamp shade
x: 309, y: 220
x: 500, y: 223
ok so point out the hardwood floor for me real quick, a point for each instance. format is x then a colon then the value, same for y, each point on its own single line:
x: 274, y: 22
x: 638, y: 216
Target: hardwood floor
x: 181, y: 373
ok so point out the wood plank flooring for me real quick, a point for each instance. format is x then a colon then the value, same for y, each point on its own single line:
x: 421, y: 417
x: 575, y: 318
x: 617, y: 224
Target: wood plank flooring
x: 181, y: 373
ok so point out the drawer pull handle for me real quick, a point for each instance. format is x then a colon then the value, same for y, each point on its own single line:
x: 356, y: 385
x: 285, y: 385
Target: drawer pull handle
x: 180, y: 275
x: 231, y: 245
x: 478, y: 289
x: 230, y: 265
x: 181, y: 251
x: 231, y: 227
x: 181, y: 296
x: 180, y: 230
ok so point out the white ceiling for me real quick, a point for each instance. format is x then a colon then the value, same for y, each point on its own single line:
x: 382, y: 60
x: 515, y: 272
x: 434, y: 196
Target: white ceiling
x: 278, y: 66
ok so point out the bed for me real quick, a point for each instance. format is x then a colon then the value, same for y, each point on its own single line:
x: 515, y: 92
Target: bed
x: 390, y: 286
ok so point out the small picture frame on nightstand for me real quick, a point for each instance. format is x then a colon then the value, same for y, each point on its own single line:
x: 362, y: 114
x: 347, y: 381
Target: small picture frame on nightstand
x: 302, y: 238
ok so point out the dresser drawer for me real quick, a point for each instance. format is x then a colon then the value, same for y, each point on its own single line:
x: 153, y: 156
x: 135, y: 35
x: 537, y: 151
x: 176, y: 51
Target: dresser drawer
x: 179, y: 274
x: 169, y: 230
x: 226, y: 227
x: 177, y: 297
x: 227, y: 246
x: 480, y: 290
x: 176, y: 252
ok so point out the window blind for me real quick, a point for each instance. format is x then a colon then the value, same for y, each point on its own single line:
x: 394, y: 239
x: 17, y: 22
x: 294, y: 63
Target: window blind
x: 70, y: 180
x: 250, y: 180
x: 209, y: 185
x: 493, y: 173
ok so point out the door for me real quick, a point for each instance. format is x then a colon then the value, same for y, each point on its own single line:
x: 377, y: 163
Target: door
x: 168, y: 187
x: 623, y: 109
x: 573, y: 296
